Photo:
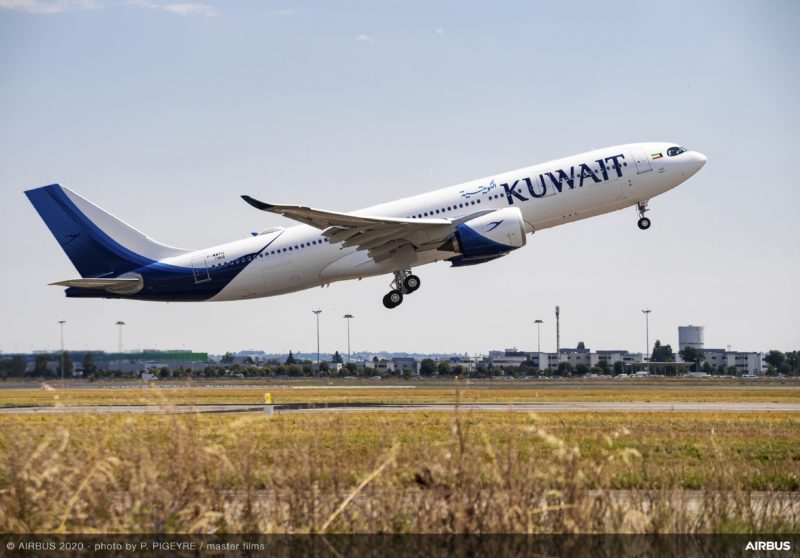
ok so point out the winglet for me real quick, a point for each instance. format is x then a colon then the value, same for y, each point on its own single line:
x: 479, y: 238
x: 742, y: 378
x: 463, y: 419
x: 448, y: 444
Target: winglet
x: 263, y: 206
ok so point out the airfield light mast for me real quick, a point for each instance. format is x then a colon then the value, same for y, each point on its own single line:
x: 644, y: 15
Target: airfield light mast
x: 558, y: 331
x: 61, y: 323
x: 647, y: 336
x: 119, y: 358
x: 538, y: 335
x: 318, y: 312
x: 348, y: 317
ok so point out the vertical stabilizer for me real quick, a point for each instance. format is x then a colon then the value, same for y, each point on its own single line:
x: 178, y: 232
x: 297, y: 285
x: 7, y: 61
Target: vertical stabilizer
x: 97, y: 243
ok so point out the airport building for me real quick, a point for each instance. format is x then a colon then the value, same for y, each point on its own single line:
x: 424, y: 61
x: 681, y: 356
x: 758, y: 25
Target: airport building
x: 580, y: 355
x: 746, y: 363
x: 132, y: 363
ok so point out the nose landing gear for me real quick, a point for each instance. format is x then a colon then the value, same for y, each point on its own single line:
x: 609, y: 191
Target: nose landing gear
x: 404, y: 283
x: 644, y: 222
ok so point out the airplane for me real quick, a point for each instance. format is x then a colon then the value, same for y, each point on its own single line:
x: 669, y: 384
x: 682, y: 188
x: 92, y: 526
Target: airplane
x: 467, y: 224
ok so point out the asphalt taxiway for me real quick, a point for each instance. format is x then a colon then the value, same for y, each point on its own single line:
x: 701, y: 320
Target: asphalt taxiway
x: 527, y: 407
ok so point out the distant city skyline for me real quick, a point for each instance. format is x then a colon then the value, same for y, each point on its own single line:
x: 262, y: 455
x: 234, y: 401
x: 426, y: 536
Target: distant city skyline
x: 481, y: 351
x: 165, y: 113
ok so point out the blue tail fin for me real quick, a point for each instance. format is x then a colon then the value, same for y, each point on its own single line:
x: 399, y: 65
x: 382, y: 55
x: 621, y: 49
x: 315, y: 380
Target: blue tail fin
x: 97, y: 243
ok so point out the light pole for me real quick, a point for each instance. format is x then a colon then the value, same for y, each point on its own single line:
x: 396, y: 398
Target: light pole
x: 317, y: 312
x: 538, y: 335
x: 348, y: 318
x: 647, y: 336
x: 61, y: 323
x: 119, y: 352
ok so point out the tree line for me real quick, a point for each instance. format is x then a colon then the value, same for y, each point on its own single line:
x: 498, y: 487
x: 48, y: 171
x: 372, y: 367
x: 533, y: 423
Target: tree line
x: 48, y: 366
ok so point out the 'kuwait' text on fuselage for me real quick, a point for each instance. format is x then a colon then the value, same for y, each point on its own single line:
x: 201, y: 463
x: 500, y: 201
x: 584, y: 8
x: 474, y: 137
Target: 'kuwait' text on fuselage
x: 537, y: 188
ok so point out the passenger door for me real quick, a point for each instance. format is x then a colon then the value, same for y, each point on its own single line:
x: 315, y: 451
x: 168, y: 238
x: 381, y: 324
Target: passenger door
x: 200, y: 270
x: 642, y: 161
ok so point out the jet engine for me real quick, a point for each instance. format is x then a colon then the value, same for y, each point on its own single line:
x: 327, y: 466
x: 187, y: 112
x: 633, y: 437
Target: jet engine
x: 489, y: 236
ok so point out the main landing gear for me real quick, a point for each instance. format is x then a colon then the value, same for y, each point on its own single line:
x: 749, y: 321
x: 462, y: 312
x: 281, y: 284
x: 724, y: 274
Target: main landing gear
x: 644, y: 222
x: 404, y: 283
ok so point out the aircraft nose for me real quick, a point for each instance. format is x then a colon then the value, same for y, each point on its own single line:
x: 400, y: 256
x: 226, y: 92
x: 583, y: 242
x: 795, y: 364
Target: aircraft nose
x: 700, y: 159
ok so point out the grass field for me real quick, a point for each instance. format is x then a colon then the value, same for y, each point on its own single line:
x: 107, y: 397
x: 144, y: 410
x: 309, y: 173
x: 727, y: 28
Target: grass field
x: 505, y: 394
x: 400, y: 472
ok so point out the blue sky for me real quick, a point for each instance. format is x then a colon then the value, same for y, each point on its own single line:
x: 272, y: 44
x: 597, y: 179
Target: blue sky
x: 164, y: 113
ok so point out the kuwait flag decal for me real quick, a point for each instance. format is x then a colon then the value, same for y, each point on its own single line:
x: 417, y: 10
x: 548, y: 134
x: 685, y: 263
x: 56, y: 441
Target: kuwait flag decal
x: 656, y: 155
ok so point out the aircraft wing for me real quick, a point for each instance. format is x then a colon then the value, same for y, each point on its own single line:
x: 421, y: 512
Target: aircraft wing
x: 380, y: 236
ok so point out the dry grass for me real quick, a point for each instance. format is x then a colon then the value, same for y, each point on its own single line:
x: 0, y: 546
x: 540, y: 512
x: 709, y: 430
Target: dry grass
x: 255, y: 395
x: 437, y: 472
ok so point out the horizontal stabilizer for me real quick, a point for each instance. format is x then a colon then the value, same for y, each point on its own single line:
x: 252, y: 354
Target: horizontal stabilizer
x: 119, y: 285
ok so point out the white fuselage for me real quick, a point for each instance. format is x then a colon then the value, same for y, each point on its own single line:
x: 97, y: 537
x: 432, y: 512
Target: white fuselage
x: 592, y: 183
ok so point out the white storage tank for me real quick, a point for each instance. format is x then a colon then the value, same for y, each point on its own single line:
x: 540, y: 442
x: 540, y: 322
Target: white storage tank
x: 691, y: 336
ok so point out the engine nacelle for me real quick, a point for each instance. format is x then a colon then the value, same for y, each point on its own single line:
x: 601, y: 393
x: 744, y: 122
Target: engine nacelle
x: 490, y: 236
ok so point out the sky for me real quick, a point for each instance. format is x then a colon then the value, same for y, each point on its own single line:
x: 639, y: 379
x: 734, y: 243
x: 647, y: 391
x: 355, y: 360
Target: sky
x: 165, y: 113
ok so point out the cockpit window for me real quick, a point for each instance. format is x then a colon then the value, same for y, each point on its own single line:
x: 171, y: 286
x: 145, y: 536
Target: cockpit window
x: 672, y: 151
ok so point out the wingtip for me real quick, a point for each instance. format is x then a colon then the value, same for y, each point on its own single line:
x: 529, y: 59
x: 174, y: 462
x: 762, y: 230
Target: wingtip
x: 256, y: 203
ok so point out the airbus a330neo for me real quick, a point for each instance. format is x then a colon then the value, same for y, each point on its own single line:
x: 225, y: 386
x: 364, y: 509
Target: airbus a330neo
x: 467, y: 224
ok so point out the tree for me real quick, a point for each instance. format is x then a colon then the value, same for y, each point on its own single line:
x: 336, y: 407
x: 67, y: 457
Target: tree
x: 249, y: 360
x: 564, y: 369
x: 427, y: 367
x: 692, y: 354
x: 444, y: 368
x: 227, y: 358
x: 40, y: 365
x: 290, y: 359
x: 775, y: 358
x: 603, y: 367
x: 662, y: 353
x: 13, y: 367
x: 89, y: 367
x: 619, y: 367
x: 707, y: 368
x: 337, y: 357
x: 792, y: 361
x: 67, y: 372
x: 581, y: 369
x: 733, y: 371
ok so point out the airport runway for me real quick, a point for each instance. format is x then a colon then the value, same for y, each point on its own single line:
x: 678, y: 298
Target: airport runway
x: 549, y: 407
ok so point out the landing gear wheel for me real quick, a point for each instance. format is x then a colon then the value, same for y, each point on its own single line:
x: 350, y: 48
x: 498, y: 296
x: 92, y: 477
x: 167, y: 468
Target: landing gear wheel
x: 411, y: 283
x: 644, y: 223
x: 393, y: 299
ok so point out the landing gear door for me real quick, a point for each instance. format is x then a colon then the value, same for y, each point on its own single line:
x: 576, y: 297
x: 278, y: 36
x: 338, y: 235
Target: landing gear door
x: 642, y: 161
